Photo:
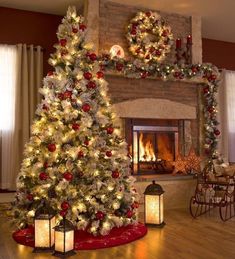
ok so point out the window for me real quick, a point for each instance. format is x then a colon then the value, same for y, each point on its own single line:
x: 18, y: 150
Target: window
x: 7, y: 87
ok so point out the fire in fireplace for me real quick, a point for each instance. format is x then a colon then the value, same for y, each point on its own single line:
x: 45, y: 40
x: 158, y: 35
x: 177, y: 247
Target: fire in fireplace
x: 153, y: 145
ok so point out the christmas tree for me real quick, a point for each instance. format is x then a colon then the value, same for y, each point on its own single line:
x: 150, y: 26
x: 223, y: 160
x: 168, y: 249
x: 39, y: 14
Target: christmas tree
x: 76, y: 159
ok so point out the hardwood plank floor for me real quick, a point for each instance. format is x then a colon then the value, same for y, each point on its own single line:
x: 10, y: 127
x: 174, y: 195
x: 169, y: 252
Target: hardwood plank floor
x: 182, y: 238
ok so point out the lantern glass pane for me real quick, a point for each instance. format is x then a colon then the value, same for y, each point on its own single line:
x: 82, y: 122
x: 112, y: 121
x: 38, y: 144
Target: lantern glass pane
x: 69, y: 240
x: 42, y: 233
x: 59, y: 241
x: 53, y: 223
x: 153, y: 209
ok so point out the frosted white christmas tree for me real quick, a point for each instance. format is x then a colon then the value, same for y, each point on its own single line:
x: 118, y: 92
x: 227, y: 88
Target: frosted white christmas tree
x: 76, y: 159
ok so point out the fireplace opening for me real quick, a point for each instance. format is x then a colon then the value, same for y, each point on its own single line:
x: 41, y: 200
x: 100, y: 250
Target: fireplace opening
x: 154, y: 148
x: 155, y: 144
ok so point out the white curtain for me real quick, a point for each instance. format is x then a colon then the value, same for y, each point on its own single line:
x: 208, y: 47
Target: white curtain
x: 226, y: 100
x: 8, y: 68
x: 26, y: 78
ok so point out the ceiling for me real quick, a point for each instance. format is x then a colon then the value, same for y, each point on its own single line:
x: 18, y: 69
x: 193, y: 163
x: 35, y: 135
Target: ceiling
x: 218, y: 17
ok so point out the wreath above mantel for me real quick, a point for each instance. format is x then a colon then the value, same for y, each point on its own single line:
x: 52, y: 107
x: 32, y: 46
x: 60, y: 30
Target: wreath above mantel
x: 149, y: 37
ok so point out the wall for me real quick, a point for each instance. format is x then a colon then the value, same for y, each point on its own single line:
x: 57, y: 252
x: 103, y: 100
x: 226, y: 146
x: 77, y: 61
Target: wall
x: 19, y: 26
x: 220, y: 53
x: 114, y: 18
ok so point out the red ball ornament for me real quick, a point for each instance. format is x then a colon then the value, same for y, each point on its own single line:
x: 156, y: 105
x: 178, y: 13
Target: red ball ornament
x: 148, y: 14
x: 87, y: 75
x: 110, y: 130
x: 205, y: 90
x: 43, y: 176
x: 99, y: 215
x: 51, y: 147
x: 45, y: 107
x: 92, y: 56
x: 129, y: 213
x: 217, y: 132
x: 158, y: 53
x: 50, y: 73
x: 133, y: 32
x: 115, y: 174
x: 99, y: 74
x: 165, y: 33
x: 68, y: 176
x: 135, y: 205
x: 144, y: 74
x: 74, y: 30
x: 64, y: 205
x: 80, y: 154
x: 30, y: 197
x: 176, y: 74
x: 91, y: 85
x: 63, y: 42
x: 75, y: 126
x: 108, y: 153
x: 119, y: 67
x: 63, y: 213
x: 67, y: 94
x: 86, y: 107
x: 61, y: 96
x: 82, y: 27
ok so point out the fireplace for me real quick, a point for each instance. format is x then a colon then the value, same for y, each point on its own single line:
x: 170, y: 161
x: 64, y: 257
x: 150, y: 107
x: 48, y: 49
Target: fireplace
x: 154, y: 144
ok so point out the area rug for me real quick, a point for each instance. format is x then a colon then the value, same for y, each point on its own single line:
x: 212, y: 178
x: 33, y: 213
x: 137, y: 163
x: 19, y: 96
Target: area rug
x: 86, y: 241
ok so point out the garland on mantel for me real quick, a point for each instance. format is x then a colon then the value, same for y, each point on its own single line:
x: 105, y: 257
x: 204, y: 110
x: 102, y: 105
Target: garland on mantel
x: 206, y: 75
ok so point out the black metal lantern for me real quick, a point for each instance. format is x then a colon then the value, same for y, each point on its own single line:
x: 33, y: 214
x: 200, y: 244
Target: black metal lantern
x: 153, y: 200
x: 64, y: 239
x: 44, y: 223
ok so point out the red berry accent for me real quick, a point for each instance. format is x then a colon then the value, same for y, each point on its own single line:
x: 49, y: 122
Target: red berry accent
x: 119, y: 67
x: 64, y: 205
x: 74, y: 30
x: 210, y: 109
x: 148, y: 14
x: 86, y: 142
x: 68, y: 176
x: 99, y: 74
x: 135, y: 205
x: 51, y: 147
x: 110, y: 130
x: 108, y: 153
x: 80, y: 154
x: 164, y: 33
x: 133, y: 32
x: 205, y: 90
x: 63, y: 213
x: 86, y: 107
x: 129, y: 213
x: 176, y: 74
x: 45, y: 165
x: 144, y: 74
x: 217, y: 132
x: 43, y: 176
x: 61, y: 96
x: 91, y: 85
x: 63, y: 42
x: 82, y: 27
x: 50, y: 73
x: 30, y: 197
x: 99, y: 215
x: 87, y: 75
x: 75, y: 126
x: 115, y: 174
x: 92, y: 56
x: 67, y: 94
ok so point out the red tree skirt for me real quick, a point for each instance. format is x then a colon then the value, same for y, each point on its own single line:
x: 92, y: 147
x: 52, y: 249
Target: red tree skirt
x: 86, y: 241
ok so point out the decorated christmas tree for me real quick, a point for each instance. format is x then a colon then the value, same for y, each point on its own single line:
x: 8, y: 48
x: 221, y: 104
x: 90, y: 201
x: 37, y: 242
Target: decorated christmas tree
x: 76, y: 159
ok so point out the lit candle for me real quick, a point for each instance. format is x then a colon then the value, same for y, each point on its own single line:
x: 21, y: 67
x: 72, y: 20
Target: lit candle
x: 189, y: 39
x: 178, y: 43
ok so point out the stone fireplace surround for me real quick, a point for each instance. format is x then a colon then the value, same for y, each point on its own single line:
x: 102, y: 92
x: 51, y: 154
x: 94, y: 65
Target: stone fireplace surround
x: 155, y: 99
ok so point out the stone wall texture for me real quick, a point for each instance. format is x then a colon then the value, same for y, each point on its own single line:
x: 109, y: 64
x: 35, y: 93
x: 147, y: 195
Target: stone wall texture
x: 114, y: 19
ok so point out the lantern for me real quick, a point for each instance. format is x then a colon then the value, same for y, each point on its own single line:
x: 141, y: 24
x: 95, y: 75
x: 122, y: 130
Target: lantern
x: 153, y: 197
x: 64, y: 239
x: 44, y: 223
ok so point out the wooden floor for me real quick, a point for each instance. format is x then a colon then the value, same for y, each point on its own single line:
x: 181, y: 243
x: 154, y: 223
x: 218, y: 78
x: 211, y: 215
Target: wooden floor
x: 205, y: 238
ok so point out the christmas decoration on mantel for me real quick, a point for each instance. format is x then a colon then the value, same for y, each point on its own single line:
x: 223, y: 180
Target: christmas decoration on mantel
x: 76, y: 159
